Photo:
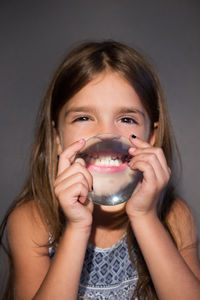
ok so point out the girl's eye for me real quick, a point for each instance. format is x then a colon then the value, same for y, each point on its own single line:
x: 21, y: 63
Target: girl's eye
x: 82, y: 118
x: 128, y: 120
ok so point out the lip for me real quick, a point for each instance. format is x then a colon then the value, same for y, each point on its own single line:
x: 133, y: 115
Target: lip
x: 107, y: 169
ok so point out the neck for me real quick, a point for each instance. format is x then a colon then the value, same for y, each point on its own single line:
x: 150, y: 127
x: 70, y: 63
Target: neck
x: 105, y: 221
x: 109, y: 217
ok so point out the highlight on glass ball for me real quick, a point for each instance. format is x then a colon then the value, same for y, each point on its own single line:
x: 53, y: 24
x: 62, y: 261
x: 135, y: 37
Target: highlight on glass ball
x: 106, y: 157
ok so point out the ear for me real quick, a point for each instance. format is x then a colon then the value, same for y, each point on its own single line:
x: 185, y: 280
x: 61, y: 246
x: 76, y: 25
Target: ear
x: 58, y: 143
x: 57, y: 139
x: 152, y: 137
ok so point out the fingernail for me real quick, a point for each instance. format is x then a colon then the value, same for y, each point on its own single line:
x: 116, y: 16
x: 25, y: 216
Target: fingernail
x: 130, y: 164
x: 133, y: 136
x: 81, y: 141
x: 132, y: 150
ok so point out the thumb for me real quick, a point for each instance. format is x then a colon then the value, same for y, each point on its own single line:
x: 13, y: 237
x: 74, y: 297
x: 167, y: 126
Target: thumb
x: 80, y: 161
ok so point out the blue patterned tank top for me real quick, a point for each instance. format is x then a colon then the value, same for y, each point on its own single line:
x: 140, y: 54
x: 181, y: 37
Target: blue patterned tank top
x: 107, y: 273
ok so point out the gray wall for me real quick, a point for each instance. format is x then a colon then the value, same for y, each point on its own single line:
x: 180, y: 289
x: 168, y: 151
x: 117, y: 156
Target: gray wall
x: 34, y: 37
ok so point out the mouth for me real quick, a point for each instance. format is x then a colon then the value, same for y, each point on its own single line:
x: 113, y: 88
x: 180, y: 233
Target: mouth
x: 106, y: 162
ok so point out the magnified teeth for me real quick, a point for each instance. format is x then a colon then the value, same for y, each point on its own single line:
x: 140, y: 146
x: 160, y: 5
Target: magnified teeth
x: 106, y: 156
x: 105, y: 161
x: 114, y: 157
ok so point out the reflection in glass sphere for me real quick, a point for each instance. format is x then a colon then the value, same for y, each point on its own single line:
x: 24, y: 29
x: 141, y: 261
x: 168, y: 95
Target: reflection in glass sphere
x: 106, y: 157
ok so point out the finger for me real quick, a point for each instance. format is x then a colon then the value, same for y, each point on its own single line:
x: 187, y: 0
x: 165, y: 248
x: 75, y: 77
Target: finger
x: 80, y: 161
x: 84, y: 200
x: 138, y: 143
x: 158, y: 152
x: 70, y: 181
x: 76, y: 168
x: 67, y: 155
x: 153, y: 160
x: 148, y: 172
x: 74, y: 193
x: 88, y: 176
x: 162, y: 175
x: 81, y: 193
x: 87, y: 173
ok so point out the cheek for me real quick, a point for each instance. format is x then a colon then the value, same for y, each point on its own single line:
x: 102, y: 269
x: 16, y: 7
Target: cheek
x: 142, y: 132
x: 71, y: 135
x: 147, y: 131
x: 147, y: 135
x: 66, y: 139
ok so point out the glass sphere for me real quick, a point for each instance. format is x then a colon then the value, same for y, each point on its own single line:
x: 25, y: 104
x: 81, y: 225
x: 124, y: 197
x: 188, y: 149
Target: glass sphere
x: 106, y: 157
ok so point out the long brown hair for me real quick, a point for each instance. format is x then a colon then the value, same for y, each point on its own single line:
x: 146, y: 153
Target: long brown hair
x: 80, y: 66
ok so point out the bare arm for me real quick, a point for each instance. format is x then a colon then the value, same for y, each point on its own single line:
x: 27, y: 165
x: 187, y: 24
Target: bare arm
x: 174, y: 276
x: 62, y: 279
x: 175, y: 272
x: 34, y: 276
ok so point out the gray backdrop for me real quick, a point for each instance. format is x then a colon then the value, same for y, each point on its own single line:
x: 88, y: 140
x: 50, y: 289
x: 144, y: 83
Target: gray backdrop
x: 34, y: 37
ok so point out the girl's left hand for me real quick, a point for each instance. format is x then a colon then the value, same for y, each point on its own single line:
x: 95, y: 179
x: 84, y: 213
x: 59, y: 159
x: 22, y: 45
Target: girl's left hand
x: 152, y: 163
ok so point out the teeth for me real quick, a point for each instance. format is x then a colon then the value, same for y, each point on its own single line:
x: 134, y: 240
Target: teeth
x: 106, y: 161
x: 115, y: 157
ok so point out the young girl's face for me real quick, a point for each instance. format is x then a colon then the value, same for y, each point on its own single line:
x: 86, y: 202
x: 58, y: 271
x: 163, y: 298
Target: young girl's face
x: 108, y: 104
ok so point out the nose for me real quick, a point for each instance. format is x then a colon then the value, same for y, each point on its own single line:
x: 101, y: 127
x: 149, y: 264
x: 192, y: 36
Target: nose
x: 108, y: 136
x: 107, y: 129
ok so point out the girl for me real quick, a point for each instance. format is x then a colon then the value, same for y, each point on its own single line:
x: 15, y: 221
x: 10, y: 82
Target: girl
x: 63, y: 246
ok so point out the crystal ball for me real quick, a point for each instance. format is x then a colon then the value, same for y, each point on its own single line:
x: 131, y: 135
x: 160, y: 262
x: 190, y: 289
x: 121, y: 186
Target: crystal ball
x: 106, y: 157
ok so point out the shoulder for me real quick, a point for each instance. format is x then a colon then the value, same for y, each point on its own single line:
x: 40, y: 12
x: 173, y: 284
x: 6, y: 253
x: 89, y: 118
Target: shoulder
x: 181, y: 223
x: 25, y: 228
x: 182, y: 227
x: 28, y: 240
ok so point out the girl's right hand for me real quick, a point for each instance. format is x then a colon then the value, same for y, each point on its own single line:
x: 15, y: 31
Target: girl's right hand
x: 72, y: 185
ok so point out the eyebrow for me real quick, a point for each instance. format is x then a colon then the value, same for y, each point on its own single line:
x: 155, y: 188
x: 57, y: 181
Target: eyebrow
x: 133, y: 110
x: 88, y: 109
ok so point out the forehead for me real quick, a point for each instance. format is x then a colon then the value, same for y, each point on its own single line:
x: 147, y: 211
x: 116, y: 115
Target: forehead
x: 107, y: 88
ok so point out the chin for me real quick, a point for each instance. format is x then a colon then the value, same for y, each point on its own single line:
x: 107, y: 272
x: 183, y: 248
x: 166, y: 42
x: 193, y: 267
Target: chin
x: 113, y: 208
